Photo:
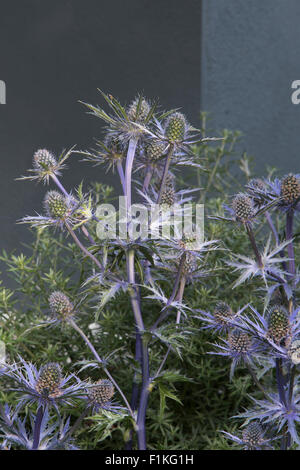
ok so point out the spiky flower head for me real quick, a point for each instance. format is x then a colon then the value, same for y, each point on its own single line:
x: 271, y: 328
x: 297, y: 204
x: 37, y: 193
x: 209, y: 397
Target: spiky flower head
x: 101, y: 392
x: 114, y: 147
x: 290, y: 189
x: 168, y: 196
x: 56, y: 205
x: 190, y: 263
x: 278, y: 323
x: 138, y: 110
x: 257, y: 183
x: 243, y: 207
x: 61, y: 306
x: 176, y: 127
x: 44, y: 160
x: 253, y: 435
x: 49, y: 380
x: 239, y: 342
x: 155, y: 150
x: 223, y: 313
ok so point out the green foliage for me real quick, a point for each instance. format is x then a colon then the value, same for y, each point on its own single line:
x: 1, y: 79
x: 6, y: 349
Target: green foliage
x: 192, y: 400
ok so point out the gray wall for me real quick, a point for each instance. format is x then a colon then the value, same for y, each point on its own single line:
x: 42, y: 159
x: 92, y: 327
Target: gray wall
x: 250, y: 56
x: 56, y: 52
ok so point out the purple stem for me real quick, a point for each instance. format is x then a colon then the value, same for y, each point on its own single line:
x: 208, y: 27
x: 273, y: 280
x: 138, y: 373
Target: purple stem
x: 254, y: 245
x: 59, y: 185
x: 82, y: 247
x: 98, y: 358
x: 37, y: 428
x: 121, y: 174
x: 272, y: 227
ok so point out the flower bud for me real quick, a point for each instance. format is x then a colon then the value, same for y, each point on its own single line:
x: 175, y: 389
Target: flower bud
x: 138, y: 110
x: 61, y: 306
x: 168, y: 196
x: 56, y: 205
x: 190, y: 263
x: 155, y: 150
x: 223, y: 313
x: 49, y: 380
x: 257, y: 183
x: 290, y: 189
x: 278, y: 323
x: 114, y: 147
x: 44, y: 160
x: 239, y: 341
x: 243, y: 207
x: 253, y: 435
x: 101, y: 392
x: 176, y: 126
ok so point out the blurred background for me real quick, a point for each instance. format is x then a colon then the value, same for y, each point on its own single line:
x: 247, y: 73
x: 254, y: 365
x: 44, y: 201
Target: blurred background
x: 54, y: 53
x: 232, y: 58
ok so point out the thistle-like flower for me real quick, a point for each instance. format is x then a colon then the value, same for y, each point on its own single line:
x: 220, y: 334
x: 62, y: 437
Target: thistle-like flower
x: 49, y: 380
x: 155, y: 150
x: 61, y: 306
x: 273, y: 411
x: 239, y: 346
x: 110, y: 152
x: 133, y: 123
x: 221, y: 319
x: 284, y: 193
x: 278, y: 323
x: 46, y: 386
x: 139, y: 110
x: 100, y: 395
x: 59, y: 209
x: 253, y: 437
x: 46, y: 165
x: 56, y: 205
x: 275, y: 331
x: 270, y: 265
x: 243, y: 207
x: 290, y: 189
x: 176, y: 128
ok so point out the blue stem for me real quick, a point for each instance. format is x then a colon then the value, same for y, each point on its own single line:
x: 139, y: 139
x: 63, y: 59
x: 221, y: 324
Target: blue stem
x: 37, y: 428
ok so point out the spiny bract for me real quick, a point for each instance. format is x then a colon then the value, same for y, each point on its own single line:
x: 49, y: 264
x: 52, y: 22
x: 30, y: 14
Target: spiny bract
x: 49, y: 380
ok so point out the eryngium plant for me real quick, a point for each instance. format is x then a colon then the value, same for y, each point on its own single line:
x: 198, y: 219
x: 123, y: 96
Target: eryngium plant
x: 146, y: 147
x: 265, y: 339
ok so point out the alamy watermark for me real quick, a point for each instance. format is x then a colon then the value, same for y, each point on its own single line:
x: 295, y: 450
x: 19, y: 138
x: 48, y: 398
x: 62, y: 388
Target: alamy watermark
x: 155, y: 221
x: 295, y: 96
x: 2, y: 92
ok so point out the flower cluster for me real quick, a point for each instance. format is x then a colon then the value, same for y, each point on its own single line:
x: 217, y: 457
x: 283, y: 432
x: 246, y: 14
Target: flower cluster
x: 265, y: 338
